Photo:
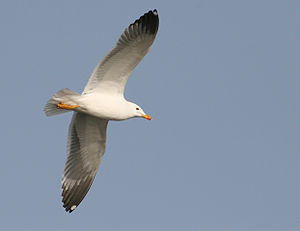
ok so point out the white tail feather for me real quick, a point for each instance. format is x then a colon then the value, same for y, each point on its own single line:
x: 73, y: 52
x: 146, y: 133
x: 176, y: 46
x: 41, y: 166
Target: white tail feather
x: 64, y: 95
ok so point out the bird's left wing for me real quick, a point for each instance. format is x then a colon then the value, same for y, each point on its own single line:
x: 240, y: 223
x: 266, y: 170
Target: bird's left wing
x: 112, y: 72
x: 86, y: 146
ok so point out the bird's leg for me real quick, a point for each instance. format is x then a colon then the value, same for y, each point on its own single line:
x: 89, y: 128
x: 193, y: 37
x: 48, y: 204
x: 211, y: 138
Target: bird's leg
x: 66, y: 106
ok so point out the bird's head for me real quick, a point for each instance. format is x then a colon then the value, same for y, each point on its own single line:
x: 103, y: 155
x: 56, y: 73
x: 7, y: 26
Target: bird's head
x: 138, y: 111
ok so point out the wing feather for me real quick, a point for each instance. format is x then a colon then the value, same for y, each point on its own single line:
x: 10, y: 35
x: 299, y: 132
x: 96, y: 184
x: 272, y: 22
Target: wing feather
x: 86, y: 146
x: 112, y: 72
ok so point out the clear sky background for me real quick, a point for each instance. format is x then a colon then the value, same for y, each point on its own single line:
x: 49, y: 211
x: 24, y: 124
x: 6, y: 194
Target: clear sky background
x: 222, y: 84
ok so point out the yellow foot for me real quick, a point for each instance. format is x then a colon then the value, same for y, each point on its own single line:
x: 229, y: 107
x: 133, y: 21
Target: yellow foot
x: 65, y: 106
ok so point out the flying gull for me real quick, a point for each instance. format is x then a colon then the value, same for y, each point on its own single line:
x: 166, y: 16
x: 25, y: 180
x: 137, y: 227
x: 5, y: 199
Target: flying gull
x: 102, y: 100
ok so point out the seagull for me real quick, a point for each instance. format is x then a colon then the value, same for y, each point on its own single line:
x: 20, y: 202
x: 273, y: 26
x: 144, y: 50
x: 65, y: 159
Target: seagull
x: 101, y: 100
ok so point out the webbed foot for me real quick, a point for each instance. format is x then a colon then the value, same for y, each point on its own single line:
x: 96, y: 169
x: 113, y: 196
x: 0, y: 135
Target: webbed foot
x: 66, y: 106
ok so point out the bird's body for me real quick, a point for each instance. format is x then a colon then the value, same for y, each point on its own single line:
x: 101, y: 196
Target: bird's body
x: 103, y: 105
x: 106, y: 106
x: 102, y: 100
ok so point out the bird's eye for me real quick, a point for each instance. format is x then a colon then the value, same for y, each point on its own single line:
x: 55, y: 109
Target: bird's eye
x: 137, y: 109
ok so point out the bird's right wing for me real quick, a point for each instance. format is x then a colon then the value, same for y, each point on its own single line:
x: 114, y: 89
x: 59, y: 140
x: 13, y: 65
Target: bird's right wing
x: 86, y: 146
x: 112, y: 72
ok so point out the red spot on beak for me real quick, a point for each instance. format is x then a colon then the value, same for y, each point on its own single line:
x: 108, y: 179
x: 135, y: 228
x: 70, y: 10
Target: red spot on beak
x: 147, y: 117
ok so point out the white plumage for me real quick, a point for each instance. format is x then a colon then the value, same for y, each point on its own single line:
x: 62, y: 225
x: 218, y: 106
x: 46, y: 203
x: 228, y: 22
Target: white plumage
x: 102, y: 100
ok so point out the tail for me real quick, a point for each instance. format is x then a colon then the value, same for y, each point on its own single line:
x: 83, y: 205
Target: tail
x: 64, y: 95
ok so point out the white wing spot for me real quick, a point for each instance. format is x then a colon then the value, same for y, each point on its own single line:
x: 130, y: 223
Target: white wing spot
x: 73, y: 207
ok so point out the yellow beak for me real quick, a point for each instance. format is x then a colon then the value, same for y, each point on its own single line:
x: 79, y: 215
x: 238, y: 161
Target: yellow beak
x: 147, y: 117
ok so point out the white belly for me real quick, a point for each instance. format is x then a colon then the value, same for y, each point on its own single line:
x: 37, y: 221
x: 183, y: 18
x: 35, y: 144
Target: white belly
x: 102, y: 106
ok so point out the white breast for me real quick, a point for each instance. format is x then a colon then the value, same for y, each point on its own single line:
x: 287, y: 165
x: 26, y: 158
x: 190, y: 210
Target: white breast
x: 104, y: 106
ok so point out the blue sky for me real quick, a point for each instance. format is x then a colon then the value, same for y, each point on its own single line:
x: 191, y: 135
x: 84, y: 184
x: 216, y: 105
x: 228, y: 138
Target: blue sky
x: 221, y: 82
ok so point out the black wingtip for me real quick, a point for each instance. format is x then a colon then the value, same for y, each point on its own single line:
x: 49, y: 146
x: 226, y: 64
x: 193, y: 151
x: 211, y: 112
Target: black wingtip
x: 149, y: 20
